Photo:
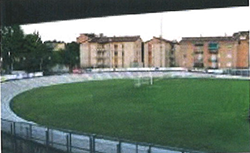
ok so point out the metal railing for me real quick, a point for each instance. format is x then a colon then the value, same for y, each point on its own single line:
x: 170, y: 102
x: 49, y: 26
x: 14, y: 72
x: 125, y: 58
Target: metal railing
x: 75, y: 142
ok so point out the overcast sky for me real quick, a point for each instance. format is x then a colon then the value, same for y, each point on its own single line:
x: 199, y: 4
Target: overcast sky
x: 172, y: 25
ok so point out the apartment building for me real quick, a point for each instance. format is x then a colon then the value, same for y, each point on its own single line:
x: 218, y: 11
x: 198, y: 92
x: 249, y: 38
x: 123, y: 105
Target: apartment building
x: 159, y: 52
x: 215, y: 52
x: 243, y: 52
x: 110, y: 52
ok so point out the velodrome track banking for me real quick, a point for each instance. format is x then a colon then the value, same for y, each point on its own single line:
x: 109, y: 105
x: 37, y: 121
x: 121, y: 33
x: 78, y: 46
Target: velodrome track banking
x: 12, y: 88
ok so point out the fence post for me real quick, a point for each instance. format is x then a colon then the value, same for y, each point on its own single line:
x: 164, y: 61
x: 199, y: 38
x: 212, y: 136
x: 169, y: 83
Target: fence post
x: 47, y: 139
x: 70, y: 142
x: 136, y: 148
x: 30, y: 125
x: 27, y: 133
x: 13, y: 138
x: 93, y: 145
x: 119, y: 147
x: 14, y: 129
x: 11, y: 129
x: 51, y: 138
x: 149, y: 149
x: 90, y: 144
x: 67, y: 142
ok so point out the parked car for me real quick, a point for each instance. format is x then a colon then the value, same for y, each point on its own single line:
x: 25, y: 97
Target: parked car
x: 77, y: 71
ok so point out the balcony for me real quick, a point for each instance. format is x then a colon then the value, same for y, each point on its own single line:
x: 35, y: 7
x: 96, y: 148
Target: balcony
x: 99, y: 51
x: 100, y: 58
x: 196, y: 51
x: 199, y: 64
x: 213, y: 60
x: 171, y: 57
x: 101, y: 65
x: 213, y: 47
x: 213, y: 51
x: 214, y: 66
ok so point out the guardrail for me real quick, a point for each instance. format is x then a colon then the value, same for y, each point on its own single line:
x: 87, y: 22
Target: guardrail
x: 75, y: 142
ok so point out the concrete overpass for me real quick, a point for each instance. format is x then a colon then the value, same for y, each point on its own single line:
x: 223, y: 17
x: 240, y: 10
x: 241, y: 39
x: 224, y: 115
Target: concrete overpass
x: 37, y: 11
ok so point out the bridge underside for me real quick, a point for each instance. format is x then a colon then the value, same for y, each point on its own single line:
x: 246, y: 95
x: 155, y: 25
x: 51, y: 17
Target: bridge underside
x: 37, y: 11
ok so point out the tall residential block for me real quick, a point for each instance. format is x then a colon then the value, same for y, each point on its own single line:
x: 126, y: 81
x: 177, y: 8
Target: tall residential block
x: 215, y: 52
x: 243, y: 52
x: 159, y: 52
x: 110, y: 52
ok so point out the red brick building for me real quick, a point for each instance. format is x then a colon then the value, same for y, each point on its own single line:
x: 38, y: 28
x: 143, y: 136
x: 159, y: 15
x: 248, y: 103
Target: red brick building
x: 215, y: 52
x: 243, y: 53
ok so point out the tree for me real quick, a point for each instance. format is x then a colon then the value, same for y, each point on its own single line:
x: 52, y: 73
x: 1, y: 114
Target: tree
x: 35, y: 54
x: 71, y: 55
x: 12, y: 43
x: 23, y: 52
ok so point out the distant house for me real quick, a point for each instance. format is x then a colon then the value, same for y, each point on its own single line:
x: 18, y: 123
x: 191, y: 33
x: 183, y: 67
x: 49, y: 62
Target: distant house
x: 59, y: 68
x: 55, y: 45
x: 159, y: 52
x: 215, y: 52
x: 110, y: 52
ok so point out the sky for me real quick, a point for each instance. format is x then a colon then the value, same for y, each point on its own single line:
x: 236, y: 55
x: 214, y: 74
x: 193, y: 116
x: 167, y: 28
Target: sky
x: 171, y: 25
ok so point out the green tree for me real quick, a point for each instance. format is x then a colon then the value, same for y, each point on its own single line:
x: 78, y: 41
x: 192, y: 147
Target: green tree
x: 35, y: 55
x: 23, y: 52
x: 12, y: 43
x: 71, y: 55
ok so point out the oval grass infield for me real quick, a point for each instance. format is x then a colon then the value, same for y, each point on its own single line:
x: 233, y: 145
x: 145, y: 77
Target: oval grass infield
x: 199, y: 114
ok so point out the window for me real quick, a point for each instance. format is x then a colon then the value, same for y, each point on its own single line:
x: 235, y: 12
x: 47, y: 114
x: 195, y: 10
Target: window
x: 229, y: 55
x: 200, y: 57
x: 149, y: 54
x: 213, y: 47
x: 116, y: 47
x: 213, y: 57
x: 229, y: 64
x: 198, y: 49
x: 198, y: 44
x: 229, y: 46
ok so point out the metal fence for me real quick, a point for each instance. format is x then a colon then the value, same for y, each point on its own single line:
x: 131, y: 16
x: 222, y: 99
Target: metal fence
x: 74, y: 142
x: 239, y: 72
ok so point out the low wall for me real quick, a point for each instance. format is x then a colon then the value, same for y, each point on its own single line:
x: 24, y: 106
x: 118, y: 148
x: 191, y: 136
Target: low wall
x: 20, y: 76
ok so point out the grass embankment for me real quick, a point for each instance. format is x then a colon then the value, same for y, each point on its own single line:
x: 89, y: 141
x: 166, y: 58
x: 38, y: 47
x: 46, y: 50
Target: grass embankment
x: 199, y: 114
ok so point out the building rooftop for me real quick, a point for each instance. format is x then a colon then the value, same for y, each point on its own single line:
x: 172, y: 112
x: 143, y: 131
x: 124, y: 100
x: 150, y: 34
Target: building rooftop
x: 161, y: 39
x: 114, y: 39
x: 226, y: 38
x: 241, y: 34
x: 235, y: 36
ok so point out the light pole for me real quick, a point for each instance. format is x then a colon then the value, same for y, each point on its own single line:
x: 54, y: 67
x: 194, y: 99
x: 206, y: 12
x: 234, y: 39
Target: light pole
x: 110, y: 54
x: 11, y: 64
x: 41, y: 64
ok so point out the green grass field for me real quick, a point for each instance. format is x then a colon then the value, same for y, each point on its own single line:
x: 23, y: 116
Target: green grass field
x: 200, y: 114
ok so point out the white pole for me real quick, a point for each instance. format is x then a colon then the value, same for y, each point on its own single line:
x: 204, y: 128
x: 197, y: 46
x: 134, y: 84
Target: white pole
x: 151, y: 78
